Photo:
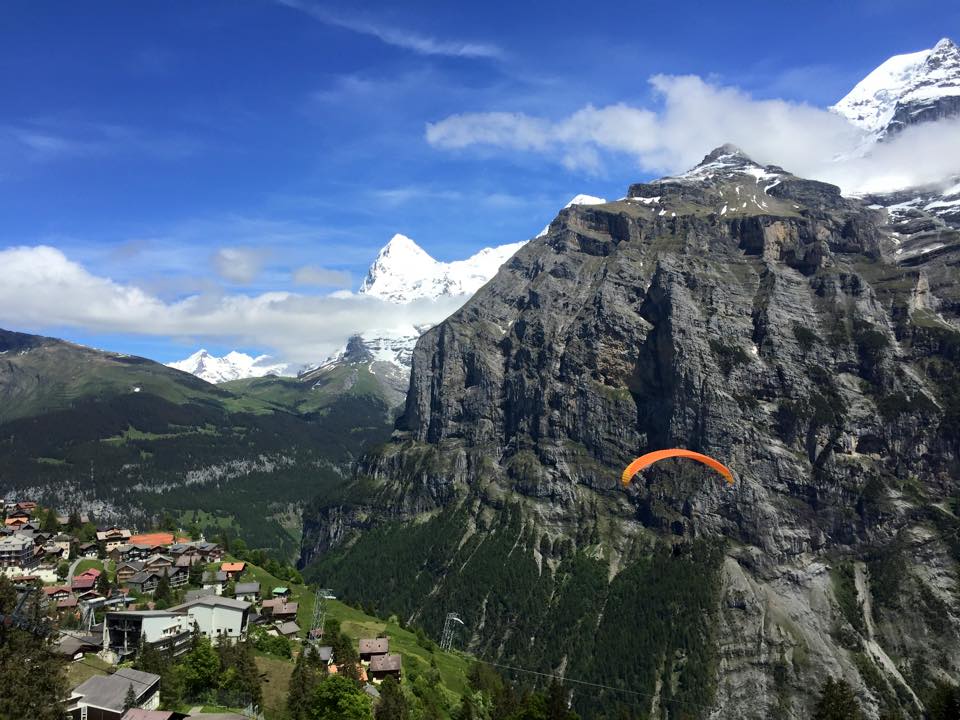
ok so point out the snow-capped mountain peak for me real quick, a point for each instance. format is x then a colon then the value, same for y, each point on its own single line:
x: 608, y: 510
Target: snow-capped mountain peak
x: 580, y: 199
x: 906, y: 89
x: 403, y: 272
x: 232, y: 366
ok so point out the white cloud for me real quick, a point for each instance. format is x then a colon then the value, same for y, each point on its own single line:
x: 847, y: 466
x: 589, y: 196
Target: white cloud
x: 237, y: 264
x: 40, y: 287
x: 697, y: 116
x: 421, y: 44
x: 321, y: 277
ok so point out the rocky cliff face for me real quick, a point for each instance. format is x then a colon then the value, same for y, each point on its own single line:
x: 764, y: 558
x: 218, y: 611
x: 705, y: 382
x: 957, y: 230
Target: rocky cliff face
x: 737, y: 310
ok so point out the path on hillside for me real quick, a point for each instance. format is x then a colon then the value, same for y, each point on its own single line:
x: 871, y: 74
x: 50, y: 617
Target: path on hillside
x: 73, y: 569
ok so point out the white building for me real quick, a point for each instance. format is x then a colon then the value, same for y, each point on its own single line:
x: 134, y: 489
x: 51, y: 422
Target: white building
x: 170, y: 630
x: 216, y: 616
x: 165, y: 629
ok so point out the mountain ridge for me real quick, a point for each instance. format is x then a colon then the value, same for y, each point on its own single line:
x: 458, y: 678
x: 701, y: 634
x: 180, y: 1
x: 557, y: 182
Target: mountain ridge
x: 738, y: 310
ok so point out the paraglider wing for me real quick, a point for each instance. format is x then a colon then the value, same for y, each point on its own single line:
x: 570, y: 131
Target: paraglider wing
x: 650, y: 458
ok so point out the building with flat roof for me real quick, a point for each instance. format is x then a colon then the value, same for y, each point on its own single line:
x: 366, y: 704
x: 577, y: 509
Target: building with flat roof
x: 102, y: 697
x: 165, y: 629
x: 217, y: 616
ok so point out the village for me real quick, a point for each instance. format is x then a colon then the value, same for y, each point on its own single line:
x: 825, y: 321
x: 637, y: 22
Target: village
x: 113, y: 594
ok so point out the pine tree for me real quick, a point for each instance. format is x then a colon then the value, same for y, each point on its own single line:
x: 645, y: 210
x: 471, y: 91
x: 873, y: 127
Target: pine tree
x: 163, y: 594
x: 837, y: 702
x: 339, y: 698
x: 200, y: 668
x: 130, y: 700
x: 103, y: 584
x: 49, y: 521
x: 345, y: 656
x: 33, y: 683
x: 195, y: 576
x: 303, y: 680
x: 393, y: 704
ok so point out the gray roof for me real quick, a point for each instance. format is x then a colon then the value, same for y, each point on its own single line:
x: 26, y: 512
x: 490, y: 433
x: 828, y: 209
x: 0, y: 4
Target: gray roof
x: 289, y: 628
x: 214, y: 601
x: 374, y: 646
x: 110, y: 691
x: 194, y: 594
x: 385, y: 663
x: 325, y: 653
x: 371, y: 691
x: 218, y: 576
x: 70, y: 645
x: 247, y: 587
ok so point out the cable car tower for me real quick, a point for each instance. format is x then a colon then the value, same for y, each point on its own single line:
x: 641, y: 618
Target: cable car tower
x: 449, y: 628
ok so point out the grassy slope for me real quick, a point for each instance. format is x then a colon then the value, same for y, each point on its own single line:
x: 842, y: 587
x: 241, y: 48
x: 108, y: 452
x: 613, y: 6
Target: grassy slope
x: 129, y: 430
x: 305, y: 397
x: 453, y: 667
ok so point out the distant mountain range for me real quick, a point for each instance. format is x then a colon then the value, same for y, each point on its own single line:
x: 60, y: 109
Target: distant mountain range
x: 905, y: 90
x: 402, y: 273
x: 232, y: 366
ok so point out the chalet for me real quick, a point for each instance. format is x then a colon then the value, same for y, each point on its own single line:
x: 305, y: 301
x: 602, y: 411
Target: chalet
x: 210, y: 552
x: 89, y: 596
x: 280, y: 592
x: 53, y: 552
x: 64, y: 542
x: 71, y: 602
x: 83, y: 582
x: 382, y: 666
x: 233, y: 569
x: 120, y: 553
x: 146, y: 581
x: 16, y: 523
x: 75, y: 646
x: 157, y: 562
x: 57, y: 593
x: 19, y: 514
x: 17, y: 551
x: 248, y: 591
x: 112, y: 537
x: 127, y: 569
x: 278, y: 609
x: 371, y: 647
x: 214, y: 581
x: 87, y: 550
x: 102, y: 697
x: 288, y: 629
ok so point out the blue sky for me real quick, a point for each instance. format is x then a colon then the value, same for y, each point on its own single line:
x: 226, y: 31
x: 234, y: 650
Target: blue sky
x: 213, y: 149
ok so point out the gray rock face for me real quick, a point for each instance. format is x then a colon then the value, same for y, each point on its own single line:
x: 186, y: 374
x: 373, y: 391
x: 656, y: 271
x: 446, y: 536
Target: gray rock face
x: 746, y: 313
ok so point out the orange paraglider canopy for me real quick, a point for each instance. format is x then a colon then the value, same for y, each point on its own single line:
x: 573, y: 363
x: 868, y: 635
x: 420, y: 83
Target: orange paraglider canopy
x: 650, y: 458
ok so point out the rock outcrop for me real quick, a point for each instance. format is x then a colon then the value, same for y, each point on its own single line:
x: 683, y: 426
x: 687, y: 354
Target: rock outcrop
x: 737, y: 310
